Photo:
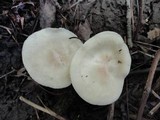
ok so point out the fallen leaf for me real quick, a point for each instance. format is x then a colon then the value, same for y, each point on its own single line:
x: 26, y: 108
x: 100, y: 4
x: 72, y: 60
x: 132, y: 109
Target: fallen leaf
x: 84, y: 30
x: 152, y: 34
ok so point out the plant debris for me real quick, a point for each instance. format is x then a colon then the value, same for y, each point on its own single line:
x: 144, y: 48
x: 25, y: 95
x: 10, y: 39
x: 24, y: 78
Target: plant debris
x: 155, y: 33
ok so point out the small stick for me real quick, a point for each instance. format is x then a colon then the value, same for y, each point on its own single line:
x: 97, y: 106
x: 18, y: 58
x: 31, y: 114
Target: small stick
x: 54, y: 2
x: 140, y: 17
x: 35, y: 24
x: 137, y: 3
x: 141, y: 11
x: 147, y: 48
x: 129, y: 28
x: 38, y: 118
x: 144, y: 43
x: 152, y: 56
x: 48, y: 111
x: 154, y: 109
x: 9, y: 31
x: 75, y: 3
x: 111, y: 112
x: 132, y: 6
x: 7, y: 74
x: 157, y: 84
x: 155, y: 94
x: 42, y: 102
x: 138, y: 66
x: 133, y: 53
x: 147, y: 88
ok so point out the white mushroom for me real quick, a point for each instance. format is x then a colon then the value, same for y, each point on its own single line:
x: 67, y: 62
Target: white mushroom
x: 47, y: 55
x: 99, y: 67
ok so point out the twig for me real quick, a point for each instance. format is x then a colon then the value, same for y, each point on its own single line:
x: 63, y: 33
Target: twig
x: 54, y: 2
x: 48, y: 111
x: 141, y: 11
x: 132, y: 14
x: 147, y: 48
x: 129, y: 28
x: 9, y: 31
x: 140, y: 17
x: 138, y: 66
x: 42, y: 102
x: 38, y: 118
x: 7, y: 74
x: 137, y: 3
x: 147, y: 44
x: 152, y: 56
x: 155, y: 94
x: 147, y: 88
x: 133, y: 53
x: 111, y: 112
x: 157, y: 84
x: 155, y: 109
x: 35, y: 24
x: 75, y: 4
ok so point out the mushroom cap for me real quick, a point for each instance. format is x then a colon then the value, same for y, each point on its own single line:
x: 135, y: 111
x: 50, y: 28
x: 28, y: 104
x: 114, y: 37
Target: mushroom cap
x: 47, y: 55
x: 99, y: 67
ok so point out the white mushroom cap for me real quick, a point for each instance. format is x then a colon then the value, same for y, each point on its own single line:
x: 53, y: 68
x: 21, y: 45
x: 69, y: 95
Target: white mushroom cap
x: 99, y: 67
x: 47, y: 55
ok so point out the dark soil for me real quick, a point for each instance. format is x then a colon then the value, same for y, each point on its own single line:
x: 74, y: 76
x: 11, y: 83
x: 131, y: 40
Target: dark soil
x: 101, y: 15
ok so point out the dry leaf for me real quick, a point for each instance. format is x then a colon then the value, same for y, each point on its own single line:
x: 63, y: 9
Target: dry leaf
x: 152, y: 34
x: 84, y: 30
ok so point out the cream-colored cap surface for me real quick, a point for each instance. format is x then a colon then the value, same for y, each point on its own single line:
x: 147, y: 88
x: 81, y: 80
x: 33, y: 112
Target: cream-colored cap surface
x: 47, y: 55
x: 99, y: 67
